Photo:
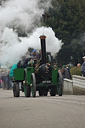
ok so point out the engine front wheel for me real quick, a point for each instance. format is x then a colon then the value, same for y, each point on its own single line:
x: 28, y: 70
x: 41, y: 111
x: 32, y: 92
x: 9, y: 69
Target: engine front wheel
x: 27, y: 90
x: 33, y: 87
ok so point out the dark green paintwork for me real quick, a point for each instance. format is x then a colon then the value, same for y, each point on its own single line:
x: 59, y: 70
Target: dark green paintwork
x: 45, y: 85
x: 19, y: 74
x: 29, y: 72
x: 54, y: 76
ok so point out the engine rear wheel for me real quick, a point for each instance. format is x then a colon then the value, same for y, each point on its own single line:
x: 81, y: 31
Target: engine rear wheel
x: 16, y: 91
x: 60, y: 84
x: 33, y: 87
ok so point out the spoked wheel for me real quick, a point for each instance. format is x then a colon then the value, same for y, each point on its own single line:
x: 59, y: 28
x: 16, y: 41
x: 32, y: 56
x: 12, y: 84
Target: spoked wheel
x: 16, y: 91
x: 27, y: 90
x: 33, y: 87
x: 60, y: 84
x: 53, y: 91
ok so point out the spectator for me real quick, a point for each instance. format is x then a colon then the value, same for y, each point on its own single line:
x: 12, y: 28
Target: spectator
x: 0, y: 82
x: 68, y: 68
x: 83, y: 67
x: 78, y: 65
x: 65, y: 72
x: 10, y: 83
x: 7, y: 82
x: 4, y: 81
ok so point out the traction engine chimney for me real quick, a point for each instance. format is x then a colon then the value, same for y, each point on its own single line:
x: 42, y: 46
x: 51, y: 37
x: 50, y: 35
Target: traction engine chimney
x: 43, y: 48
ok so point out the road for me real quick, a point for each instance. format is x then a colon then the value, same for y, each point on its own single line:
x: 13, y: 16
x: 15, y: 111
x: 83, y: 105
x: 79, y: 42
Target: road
x: 67, y: 111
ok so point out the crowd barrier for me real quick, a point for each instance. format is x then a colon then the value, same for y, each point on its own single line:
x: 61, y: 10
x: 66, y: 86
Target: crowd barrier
x: 76, y: 86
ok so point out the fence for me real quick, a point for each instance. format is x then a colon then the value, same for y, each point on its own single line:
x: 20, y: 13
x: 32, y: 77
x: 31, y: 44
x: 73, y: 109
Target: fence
x: 76, y: 86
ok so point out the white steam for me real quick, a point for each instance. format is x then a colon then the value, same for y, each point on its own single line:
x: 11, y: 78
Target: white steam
x: 53, y: 45
x: 22, y: 13
x: 26, y: 14
x: 13, y: 49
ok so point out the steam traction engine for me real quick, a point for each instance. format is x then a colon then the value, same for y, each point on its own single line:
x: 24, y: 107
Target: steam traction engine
x: 42, y: 77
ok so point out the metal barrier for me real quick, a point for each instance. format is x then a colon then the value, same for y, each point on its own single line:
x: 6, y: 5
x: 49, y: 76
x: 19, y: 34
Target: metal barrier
x: 76, y: 86
x: 68, y: 87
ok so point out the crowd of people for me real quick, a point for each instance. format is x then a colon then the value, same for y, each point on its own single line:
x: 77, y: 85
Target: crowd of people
x: 66, y: 69
x: 5, y: 81
x: 66, y: 72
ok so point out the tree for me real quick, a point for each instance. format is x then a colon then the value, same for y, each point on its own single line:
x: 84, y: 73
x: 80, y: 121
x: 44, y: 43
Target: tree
x: 67, y: 19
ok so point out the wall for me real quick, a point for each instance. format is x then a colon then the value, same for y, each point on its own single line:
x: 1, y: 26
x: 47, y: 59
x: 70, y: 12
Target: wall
x: 68, y: 87
x: 76, y: 86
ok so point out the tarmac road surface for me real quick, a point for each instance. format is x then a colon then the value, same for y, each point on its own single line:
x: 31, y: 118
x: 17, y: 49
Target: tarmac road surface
x: 67, y: 111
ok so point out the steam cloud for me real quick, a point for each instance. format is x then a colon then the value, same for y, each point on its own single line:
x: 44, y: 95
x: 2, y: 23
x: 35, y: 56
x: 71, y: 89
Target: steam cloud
x: 26, y: 15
